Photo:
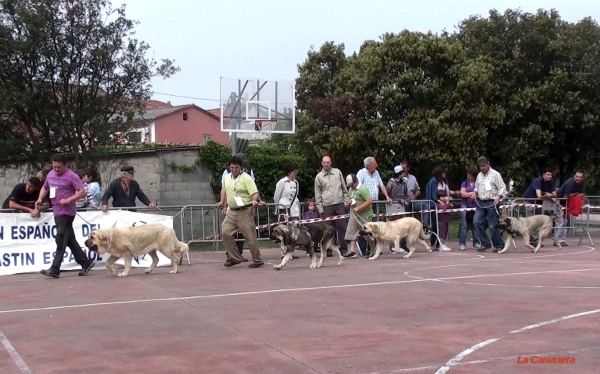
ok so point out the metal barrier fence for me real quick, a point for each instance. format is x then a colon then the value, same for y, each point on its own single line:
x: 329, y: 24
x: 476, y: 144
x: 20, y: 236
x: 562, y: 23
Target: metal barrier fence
x: 201, y: 223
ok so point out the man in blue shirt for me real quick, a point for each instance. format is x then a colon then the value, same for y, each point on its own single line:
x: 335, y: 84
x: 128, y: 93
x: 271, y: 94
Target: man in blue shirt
x: 543, y: 190
x: 574, y: 186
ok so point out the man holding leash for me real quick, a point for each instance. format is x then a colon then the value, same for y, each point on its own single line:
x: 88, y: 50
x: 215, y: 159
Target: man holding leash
x: 64, y: 188
x: 361, y: 211
x: 489, y: 189
x: 241, y: 197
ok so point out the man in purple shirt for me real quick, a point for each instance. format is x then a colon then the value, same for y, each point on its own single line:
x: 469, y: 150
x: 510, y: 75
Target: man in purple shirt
x: 64, y: 187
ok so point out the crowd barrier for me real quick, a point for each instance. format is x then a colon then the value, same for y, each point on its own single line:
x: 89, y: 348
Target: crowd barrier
x: 201, y: 223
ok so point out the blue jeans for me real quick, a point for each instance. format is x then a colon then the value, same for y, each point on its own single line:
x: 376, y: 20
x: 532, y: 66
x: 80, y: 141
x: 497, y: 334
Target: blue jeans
x: 486, y: 216
x: 464, y: 227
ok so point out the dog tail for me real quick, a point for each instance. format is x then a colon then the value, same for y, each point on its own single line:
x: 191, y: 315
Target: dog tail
x: 425, y: 233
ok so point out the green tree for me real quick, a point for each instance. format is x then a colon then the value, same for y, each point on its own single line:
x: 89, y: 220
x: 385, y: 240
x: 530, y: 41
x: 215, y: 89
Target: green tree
x: 547, y: 75
x: 409, y: 96
x: 71, y: 75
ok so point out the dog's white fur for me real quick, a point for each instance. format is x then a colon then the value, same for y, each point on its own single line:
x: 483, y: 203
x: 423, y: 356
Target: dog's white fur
x: 524, y: 227
x: 128, y: 242
x: 392, y: 232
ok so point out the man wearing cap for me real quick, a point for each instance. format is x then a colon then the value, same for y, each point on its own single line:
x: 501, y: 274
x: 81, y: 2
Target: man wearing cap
x: 330, y: 197
x: 361, y: 211
x: 124, y: 191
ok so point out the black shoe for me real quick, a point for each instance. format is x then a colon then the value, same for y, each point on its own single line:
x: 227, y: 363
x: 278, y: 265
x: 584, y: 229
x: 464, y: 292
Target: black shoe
x: 256, y: 264
x: 484, y: 248
x: 231, y: 262
x: 49, y: 273
x: 350, y: 254
x: 86, y: 269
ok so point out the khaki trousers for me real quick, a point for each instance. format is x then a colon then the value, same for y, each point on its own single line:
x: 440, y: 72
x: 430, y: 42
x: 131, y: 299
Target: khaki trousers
x: 242, y: 220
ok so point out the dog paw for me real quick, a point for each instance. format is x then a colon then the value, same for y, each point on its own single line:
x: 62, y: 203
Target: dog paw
x: 340, y: 263
x: 276, y: 267
x: 173, y: 272
x: 121, y: 275
x: 407, y: 256
x: 148, y: 271
x: 312, y: 266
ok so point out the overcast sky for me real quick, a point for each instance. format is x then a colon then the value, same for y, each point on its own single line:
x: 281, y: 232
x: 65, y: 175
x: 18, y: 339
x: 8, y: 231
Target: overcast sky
x: 268, y: 38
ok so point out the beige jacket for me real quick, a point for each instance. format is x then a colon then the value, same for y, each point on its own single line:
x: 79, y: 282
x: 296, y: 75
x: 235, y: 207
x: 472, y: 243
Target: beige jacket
x: 330, y: 188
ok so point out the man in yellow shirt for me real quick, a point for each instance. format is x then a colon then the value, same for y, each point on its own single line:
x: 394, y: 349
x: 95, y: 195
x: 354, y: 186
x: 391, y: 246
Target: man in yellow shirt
x: 240, y: 195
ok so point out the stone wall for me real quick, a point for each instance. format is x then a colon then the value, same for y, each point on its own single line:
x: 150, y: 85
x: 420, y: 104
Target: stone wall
x: 156, y: 171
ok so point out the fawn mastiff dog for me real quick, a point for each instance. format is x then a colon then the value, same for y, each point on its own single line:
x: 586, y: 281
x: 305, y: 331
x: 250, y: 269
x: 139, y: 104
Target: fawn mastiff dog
x: 524, y: 227
x: 393, y: 231
x: 128, y: 242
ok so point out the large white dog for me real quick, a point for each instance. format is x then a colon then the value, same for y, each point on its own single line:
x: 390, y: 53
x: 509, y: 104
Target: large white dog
x: 128, y: 241
x: 392, y: 232
x: 526, y: 226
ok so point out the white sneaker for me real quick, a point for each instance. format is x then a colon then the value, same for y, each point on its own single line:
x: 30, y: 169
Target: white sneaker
x: 445, y: 248
x: 392, y: 251
x: 462, y: 247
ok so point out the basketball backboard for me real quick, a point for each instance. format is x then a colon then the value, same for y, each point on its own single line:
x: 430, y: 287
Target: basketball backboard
x: 259, y: 106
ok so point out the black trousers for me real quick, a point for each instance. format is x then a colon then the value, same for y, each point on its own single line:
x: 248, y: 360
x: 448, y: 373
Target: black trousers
x: 65, y: 237
x: 339, y: 224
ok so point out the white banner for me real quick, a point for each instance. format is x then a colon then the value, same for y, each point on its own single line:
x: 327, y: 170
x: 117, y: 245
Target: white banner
x: 27, y: 244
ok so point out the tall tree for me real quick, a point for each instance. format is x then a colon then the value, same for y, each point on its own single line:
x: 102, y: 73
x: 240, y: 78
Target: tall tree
x: 547, y: 72
x: 71, y: 75
x: 410, y: 95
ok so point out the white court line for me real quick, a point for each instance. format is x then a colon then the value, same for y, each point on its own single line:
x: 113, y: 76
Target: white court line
x: 138, y: 301
x: 456, y: 359
x: 14, y: 354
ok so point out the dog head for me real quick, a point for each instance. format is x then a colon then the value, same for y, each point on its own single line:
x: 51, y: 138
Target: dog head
x: 370, y: 229
x: 505, y: 224
x: 280, y: 233
x: 98, y: 241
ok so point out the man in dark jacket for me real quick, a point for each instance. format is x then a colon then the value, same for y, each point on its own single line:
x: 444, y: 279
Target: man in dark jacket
x: 124, y: 191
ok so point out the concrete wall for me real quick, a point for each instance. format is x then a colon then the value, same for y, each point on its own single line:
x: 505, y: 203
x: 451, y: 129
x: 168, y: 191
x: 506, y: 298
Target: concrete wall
x: 154, y: 173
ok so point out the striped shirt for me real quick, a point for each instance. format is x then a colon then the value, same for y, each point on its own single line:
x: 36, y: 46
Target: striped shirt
x: 373, y: 182
x: 489, y: 186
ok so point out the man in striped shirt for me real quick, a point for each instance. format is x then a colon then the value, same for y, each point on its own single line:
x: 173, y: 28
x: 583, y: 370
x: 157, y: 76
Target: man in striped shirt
x: 490, y: 189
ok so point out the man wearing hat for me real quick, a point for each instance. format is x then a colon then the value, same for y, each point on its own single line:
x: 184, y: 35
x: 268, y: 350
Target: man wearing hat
x: 124, y: 191
x: 361, y: 211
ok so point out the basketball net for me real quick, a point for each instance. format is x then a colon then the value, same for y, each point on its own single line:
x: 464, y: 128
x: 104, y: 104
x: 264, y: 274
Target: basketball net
x: 264, y: 128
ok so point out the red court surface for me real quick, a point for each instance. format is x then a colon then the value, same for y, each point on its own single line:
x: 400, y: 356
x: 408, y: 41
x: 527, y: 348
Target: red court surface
x: 453, y: 312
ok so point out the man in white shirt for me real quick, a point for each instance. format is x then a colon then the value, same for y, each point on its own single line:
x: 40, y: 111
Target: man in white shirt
x: 489, y: 189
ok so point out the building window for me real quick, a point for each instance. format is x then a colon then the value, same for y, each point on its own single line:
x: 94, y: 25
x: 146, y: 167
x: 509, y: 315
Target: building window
x: 185, y: 117
x: 206, y: 139
x: 134, y: 137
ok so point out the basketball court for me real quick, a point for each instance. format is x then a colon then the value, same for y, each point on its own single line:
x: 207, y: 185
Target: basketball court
x: 453, y: 312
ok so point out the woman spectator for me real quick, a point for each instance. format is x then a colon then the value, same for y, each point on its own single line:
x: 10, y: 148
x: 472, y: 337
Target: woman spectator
x: 92, y: 183
x: 466, y: 218
x: 286, y: 195
x: 442, y: 201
